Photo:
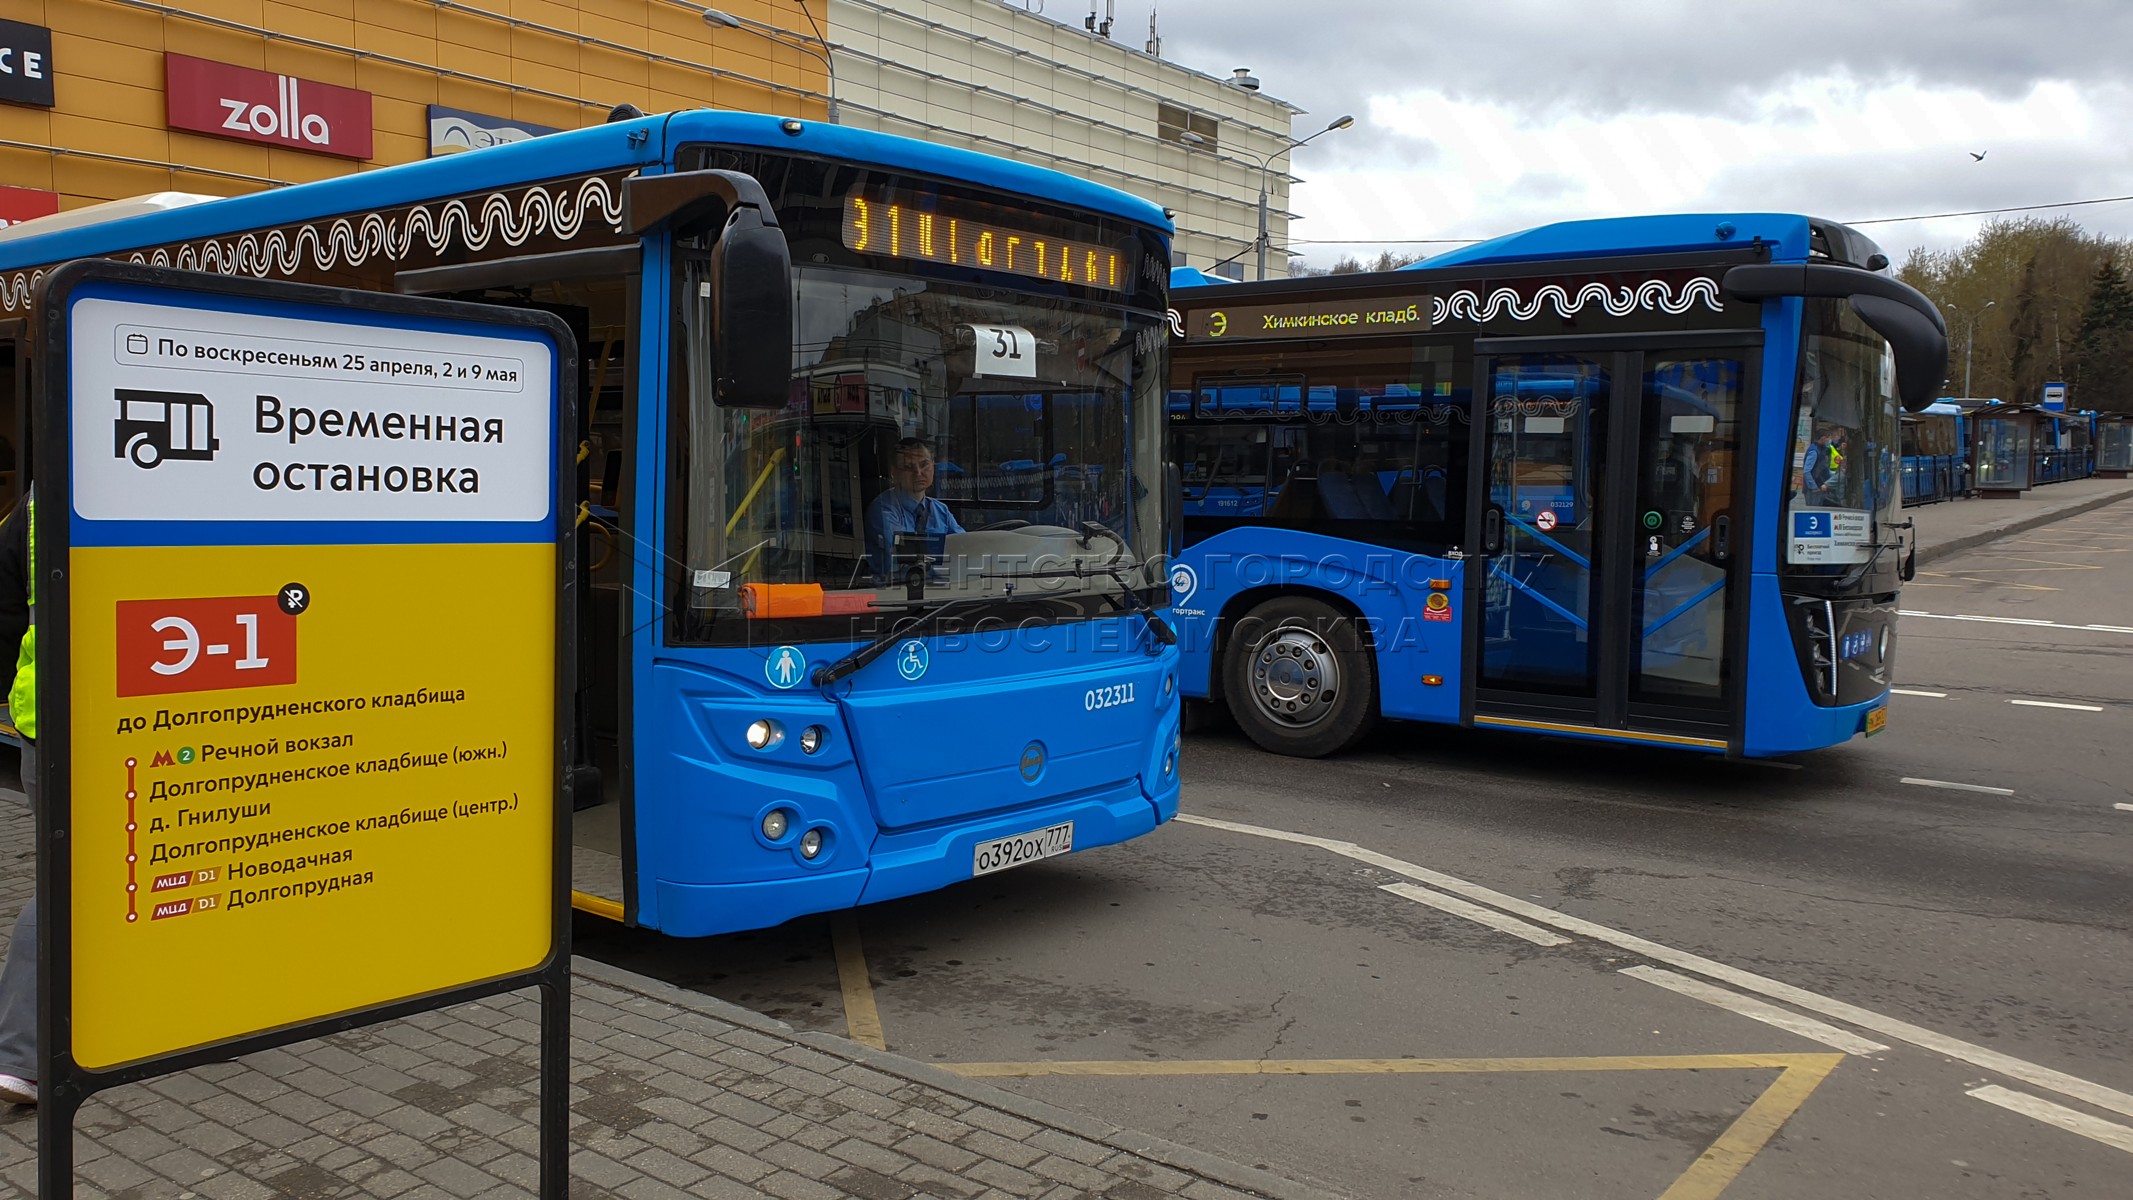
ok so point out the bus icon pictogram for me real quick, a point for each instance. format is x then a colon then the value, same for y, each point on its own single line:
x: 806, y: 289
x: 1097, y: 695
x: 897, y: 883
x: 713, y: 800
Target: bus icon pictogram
x: 153, y: 426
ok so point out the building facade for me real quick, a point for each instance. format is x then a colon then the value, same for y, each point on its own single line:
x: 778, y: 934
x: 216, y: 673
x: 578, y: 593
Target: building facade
x: 997, y: 77
x: 104, y: 99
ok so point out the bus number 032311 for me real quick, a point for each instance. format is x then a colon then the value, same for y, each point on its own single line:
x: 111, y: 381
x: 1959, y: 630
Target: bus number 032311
x: 1107, y: 697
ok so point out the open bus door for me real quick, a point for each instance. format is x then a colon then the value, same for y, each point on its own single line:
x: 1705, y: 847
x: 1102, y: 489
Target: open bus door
x: 596, y: 292
x: 1609, y: 515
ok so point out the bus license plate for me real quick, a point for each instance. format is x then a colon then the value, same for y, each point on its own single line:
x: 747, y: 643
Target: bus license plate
x: 1001, y: 853
x: 1877, y: 719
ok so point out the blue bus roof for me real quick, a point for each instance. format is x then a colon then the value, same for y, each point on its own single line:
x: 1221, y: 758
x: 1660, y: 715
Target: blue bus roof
x: 579, y: 151
x: 1662, y: 234
x: 1671, y: 233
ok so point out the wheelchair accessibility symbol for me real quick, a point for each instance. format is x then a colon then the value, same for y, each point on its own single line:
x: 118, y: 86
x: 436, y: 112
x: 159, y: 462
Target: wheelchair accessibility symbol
x: 912, y: 660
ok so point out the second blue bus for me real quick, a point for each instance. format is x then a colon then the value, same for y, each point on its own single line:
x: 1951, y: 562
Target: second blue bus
x: 1633, y: 480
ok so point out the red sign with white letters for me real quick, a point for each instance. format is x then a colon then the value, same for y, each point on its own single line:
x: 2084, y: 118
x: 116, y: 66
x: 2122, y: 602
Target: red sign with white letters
x: 21, y: 204
x: 259, y: 106
x: 209, y: 643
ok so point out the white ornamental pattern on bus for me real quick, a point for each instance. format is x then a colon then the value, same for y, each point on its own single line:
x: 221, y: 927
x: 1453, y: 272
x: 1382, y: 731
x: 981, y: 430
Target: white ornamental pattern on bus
x: 469, y: 223
x: 1651, y: 295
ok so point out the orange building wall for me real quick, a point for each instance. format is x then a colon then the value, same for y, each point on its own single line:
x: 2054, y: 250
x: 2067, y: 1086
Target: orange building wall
x: 107, y: 67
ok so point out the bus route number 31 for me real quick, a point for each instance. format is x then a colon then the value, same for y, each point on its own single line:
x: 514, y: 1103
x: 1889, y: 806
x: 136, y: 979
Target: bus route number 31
x: 206, y: 643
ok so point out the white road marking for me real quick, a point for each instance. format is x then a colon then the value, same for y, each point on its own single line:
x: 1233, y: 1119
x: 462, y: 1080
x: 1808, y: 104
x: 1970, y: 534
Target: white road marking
x: 2056, y: 704
x: 2095, y: 1128
x: 2033, y: 1074
x: 1960, y: 787
x: 1916, y: 692
x: 2123, y: 807
x: 1907, y: 612
x: 1758, y: 1010
x: 1474, y: 912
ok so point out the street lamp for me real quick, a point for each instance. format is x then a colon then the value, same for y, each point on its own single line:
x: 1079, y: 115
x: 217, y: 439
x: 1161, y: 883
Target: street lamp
x: 1266, y: 162
x: 1970, y: 339
x: 720, y: 19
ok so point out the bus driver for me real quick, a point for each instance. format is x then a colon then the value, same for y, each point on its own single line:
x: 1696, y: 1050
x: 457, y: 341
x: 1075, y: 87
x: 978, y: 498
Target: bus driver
x: 905, y: 507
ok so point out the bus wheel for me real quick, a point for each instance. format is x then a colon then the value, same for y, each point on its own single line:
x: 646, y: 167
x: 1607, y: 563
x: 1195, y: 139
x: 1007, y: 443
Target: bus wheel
x: 1298, y: 678
x: 144, y: 452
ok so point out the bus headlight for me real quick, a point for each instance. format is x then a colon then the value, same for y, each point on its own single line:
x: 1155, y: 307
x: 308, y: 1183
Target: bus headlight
x: 1170, y: 684
x: 812, y: 737
x: 775, y: 823
x: 811, y: 843
x: 1882, y: 654
x: 764, y: 733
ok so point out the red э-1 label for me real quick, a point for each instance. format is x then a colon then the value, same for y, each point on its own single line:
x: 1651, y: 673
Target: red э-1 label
x: 204, y: 644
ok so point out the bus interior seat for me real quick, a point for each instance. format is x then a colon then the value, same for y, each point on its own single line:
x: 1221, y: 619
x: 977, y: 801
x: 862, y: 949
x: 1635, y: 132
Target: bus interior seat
x: 1297, y: 503
x: 1348, y: 497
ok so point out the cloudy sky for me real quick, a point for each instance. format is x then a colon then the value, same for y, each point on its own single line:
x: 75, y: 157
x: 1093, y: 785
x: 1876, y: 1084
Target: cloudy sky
x: 1478, y: 117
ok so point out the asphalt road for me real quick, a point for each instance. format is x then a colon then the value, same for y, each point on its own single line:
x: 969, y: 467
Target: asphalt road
x: 1250, y: 986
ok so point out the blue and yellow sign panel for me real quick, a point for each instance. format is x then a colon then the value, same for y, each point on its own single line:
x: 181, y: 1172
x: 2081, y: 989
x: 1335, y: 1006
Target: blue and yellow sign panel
x: 311, y: 677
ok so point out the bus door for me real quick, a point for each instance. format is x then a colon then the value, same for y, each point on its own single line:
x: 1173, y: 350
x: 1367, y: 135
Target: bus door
x: 597, y: 293
x: 1609, y: 517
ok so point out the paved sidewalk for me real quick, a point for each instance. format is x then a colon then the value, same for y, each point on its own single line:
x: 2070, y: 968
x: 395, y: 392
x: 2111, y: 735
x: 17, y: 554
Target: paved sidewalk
x: 673, y: 1096
x: 1953, y: 526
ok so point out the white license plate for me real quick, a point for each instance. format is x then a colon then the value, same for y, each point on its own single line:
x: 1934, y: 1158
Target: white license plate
x: 1001, y: 853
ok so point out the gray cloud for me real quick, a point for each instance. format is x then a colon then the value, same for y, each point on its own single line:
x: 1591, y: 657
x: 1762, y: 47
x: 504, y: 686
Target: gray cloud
x: 1551, y: 60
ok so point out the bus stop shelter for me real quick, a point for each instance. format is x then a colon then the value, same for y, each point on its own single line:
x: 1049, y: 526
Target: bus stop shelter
x: 2004, y: 442
x: 2114, y: 445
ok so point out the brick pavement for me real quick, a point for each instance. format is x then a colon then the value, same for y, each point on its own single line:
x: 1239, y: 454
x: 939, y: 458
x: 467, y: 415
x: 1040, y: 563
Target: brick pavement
x: 673, y: 1095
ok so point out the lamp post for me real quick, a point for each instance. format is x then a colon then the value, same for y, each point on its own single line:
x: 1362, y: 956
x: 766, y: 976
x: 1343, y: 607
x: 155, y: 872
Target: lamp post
x: 1969, y: 340
x: 1266, y: 162
x: 720, y: 19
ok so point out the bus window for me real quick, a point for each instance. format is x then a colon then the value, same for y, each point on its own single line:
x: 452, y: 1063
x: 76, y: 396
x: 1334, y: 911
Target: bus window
x: 1687, y: 448
x: 1224, y: 469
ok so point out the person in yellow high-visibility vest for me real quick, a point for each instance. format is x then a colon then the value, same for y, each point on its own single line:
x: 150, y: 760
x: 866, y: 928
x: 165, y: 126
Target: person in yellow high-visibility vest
x: 18, y: 625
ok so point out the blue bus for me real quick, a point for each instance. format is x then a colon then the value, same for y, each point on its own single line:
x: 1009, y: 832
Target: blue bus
x: 788, y: 706
x: 1632, y: 480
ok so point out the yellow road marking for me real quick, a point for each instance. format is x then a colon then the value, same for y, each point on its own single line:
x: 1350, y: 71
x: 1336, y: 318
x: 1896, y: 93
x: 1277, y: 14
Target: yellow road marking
x: 597, y: 906
x: 862, y: 1021
x: 1712, y: 1173
x: 1392, y: 1066
x: 1716, y: 1168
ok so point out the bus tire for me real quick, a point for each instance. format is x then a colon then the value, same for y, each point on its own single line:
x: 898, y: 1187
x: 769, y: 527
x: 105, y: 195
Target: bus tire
x: 1299, y: 679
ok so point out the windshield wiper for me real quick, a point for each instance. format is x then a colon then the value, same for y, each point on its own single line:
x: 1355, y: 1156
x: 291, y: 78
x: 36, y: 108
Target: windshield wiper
x: 851, y: 663
x: 1091, y: 530
x: 1125, y: 598
x: 1130, y: 601
x: 1853, y: 576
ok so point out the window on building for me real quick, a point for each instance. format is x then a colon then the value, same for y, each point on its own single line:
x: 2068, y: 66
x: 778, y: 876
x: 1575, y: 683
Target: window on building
x: 1173, y: 122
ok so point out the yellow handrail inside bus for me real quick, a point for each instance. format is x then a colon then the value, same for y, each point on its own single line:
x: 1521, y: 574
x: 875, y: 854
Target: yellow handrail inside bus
x: 762, y: 477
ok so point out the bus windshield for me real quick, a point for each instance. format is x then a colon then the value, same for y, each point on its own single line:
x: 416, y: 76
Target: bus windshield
x: 1843, y: 482
x: 941, y: 441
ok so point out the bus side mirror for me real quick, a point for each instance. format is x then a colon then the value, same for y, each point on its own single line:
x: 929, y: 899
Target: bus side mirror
x: 751, y: 314
x: 750, y: 284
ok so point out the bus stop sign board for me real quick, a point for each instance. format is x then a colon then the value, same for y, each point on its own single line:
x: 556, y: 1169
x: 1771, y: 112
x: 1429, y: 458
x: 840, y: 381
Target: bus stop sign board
x: 303, y: 643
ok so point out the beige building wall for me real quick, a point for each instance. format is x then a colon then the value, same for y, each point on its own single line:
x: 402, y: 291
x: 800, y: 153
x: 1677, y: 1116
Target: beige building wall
x: 993, y: 77
x: 561, y: 63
